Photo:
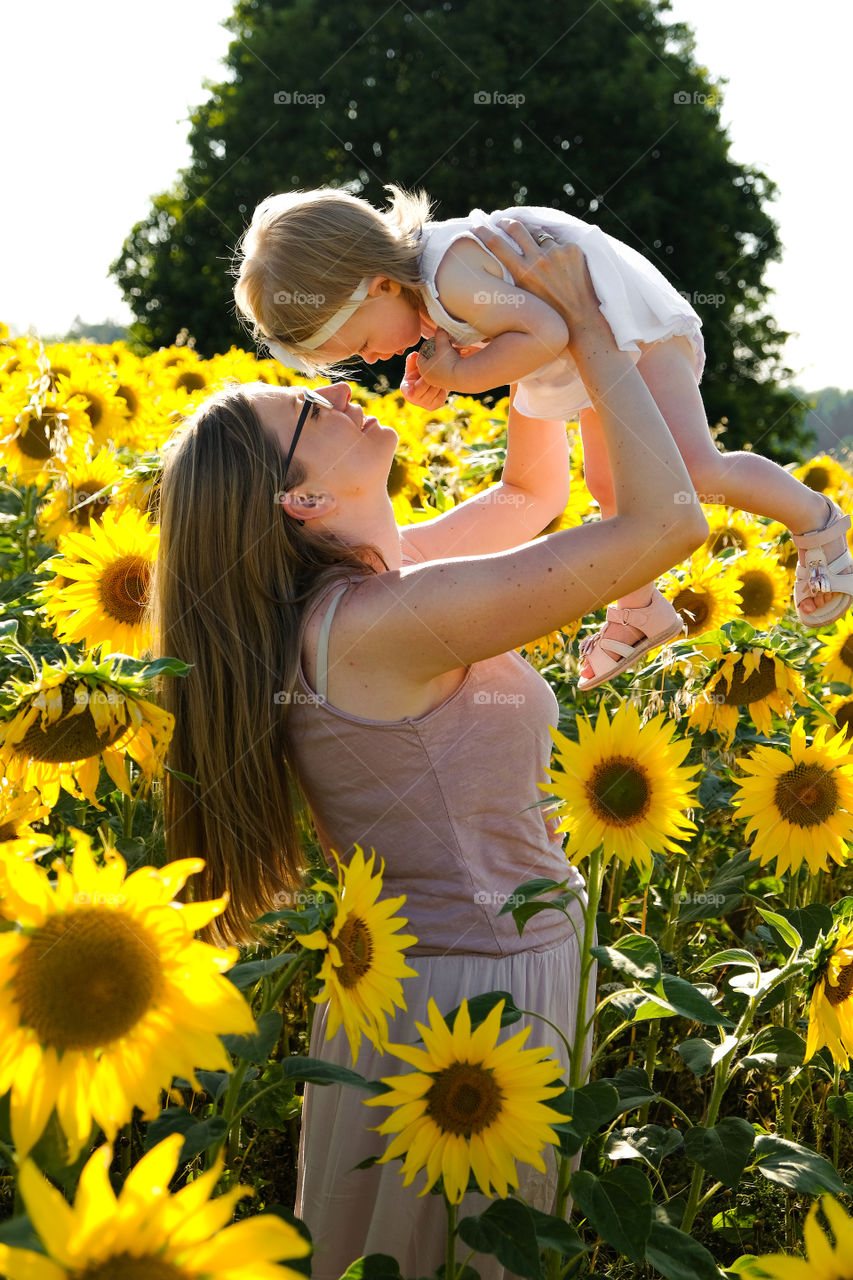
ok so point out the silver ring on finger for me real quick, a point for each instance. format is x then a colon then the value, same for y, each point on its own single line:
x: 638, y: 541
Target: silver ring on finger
x: 543, y: 236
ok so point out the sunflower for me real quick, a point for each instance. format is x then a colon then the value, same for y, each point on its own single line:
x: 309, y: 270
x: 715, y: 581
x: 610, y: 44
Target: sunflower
x: 764, y: 588
x: 800, y: 805
x: 104, y: 993
x: 145, y: 1233
x: 824, y: 475
x: 756, y: 679
x: 830, y: 1005
x: 728, y: 528
x: 94, y: 389
x: 36, y: 432
x: 841, y: 708
x: 623, y: 785
x: 59, y: 728
x: 836, y: 654
x: 111, y: 567
x: 471, y: 1105
x: 17, y: 810
x: 86, y: 492
x: 822, y: 1261
x: 363, y: 964
x: 704, y: 594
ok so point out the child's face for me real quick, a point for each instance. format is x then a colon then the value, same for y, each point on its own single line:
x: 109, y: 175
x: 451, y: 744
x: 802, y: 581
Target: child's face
x: 385, y: 325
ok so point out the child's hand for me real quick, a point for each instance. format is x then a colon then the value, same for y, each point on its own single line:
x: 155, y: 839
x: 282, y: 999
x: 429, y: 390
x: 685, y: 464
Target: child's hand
x: 416, y: 390
x: 438, y: 369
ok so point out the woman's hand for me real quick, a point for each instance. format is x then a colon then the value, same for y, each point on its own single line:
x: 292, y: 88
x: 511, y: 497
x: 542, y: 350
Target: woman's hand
x: 556, y: 273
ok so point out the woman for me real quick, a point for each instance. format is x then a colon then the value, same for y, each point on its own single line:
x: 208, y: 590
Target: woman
x: 379, y: 665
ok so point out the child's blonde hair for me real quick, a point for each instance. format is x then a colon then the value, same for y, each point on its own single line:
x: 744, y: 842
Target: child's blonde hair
x: 305, y: 252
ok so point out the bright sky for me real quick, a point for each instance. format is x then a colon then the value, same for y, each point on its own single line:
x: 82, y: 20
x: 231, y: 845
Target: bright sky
x: 96, y: 97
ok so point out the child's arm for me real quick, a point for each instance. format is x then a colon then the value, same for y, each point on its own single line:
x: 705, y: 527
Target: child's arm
x: 525, y: 332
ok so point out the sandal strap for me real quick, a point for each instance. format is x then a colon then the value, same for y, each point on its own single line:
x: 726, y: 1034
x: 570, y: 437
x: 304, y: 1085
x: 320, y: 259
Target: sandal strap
x: 818, y: 537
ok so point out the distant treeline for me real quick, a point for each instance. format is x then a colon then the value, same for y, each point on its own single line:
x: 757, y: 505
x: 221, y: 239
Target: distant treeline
x: 830, y: 422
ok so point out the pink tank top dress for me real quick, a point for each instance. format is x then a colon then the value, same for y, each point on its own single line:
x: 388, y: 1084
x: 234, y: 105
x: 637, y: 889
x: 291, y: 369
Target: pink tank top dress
x: 636, y: 300
x: 445, y: 800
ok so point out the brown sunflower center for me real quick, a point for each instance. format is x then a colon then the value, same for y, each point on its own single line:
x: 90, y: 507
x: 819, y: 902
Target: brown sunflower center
x: 94, y: 407
x: 82, y: 508
x: 756, y: 593
x: 618, y: 791
x: 121, y: 1266
x: 129, y: 396
x: 464, y: 1099
x: 86, y: 978
x: 844, y: 716
x: 751, y: 688
x: 71, y: 736
x: 726, y: 536
x: 837, y: 995
x: 123, y: 588
x: 817, y: 478
x: 8, y: 831
x: 190, y: 380
x: 36, y: 433
x: 695, y: 608
x: 806, y: 795
x: 355, y: 943
x: 846, y: 653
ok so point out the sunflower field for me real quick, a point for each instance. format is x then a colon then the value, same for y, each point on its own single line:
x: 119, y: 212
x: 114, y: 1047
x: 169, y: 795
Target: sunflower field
x: 151, y: 1084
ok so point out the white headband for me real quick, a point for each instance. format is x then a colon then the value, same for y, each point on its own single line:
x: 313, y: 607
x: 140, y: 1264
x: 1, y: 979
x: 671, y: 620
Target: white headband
x: 287, y: 357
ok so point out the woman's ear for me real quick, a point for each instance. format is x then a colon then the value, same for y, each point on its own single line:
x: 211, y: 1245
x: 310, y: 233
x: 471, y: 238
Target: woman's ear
x: 304, y: 506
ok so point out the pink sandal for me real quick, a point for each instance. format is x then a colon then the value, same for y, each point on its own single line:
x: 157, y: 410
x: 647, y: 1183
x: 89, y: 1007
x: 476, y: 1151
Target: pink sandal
x: 658, y: 619
x: 819, y: 575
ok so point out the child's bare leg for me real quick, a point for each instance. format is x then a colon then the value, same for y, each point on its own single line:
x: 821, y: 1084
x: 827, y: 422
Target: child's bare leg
x: 745, y: 481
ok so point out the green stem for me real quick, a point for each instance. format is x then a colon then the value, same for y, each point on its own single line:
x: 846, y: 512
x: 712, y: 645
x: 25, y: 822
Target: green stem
x: 229, y: 1107
x: 277, y: 991
x: 836, y: 1123
x: 666, y: 942
x: 577, y: 1073
x: 450, y: 1256
x: 787, y: 1109
x: 531, y: 1013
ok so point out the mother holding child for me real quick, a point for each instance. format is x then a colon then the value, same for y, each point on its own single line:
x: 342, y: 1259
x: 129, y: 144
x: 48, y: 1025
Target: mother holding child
x: 361, y: 672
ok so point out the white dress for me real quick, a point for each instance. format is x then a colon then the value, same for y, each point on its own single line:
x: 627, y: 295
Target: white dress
x: 637, y: 301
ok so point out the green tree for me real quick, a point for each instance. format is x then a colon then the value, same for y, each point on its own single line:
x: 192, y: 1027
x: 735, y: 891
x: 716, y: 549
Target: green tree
x: 597, y: 109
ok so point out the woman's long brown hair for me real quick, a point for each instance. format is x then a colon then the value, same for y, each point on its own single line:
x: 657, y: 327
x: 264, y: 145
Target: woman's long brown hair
x: 232, y: 583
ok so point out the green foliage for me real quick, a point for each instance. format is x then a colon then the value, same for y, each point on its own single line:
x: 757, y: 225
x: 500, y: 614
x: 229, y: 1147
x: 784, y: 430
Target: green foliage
x: 600, y: 110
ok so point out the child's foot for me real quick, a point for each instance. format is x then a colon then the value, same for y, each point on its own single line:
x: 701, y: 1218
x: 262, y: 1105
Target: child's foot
x: 619, y: 643
x: 820, y: 594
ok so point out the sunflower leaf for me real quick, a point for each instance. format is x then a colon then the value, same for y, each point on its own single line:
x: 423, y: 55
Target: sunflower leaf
x: 619, y: 1207
x: 257, y: 1047
x: 479, y: 1008
x: 507, y: 1230
x: 697, y: 1053
x: 722, y: 1151
x: 246, y: 975
x: 636, y: 955
x: 690, y: 1003
x: 317, y: 1071
x: 796, y: 1166
x: 19, y: 1233
x: 783, y: 927
x: 677, y: 1256
x: 198, y: 1134
x: 375, y: 1266
x: 777, y: 1047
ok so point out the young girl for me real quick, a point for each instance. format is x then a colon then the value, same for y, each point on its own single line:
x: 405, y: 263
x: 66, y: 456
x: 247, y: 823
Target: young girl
x: 324, y: 276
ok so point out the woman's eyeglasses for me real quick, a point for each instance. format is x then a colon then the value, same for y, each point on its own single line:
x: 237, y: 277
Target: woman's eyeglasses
x: 311, y: 398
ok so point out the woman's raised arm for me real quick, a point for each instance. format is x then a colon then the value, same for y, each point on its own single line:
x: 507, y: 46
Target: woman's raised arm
x: 449, y: 613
